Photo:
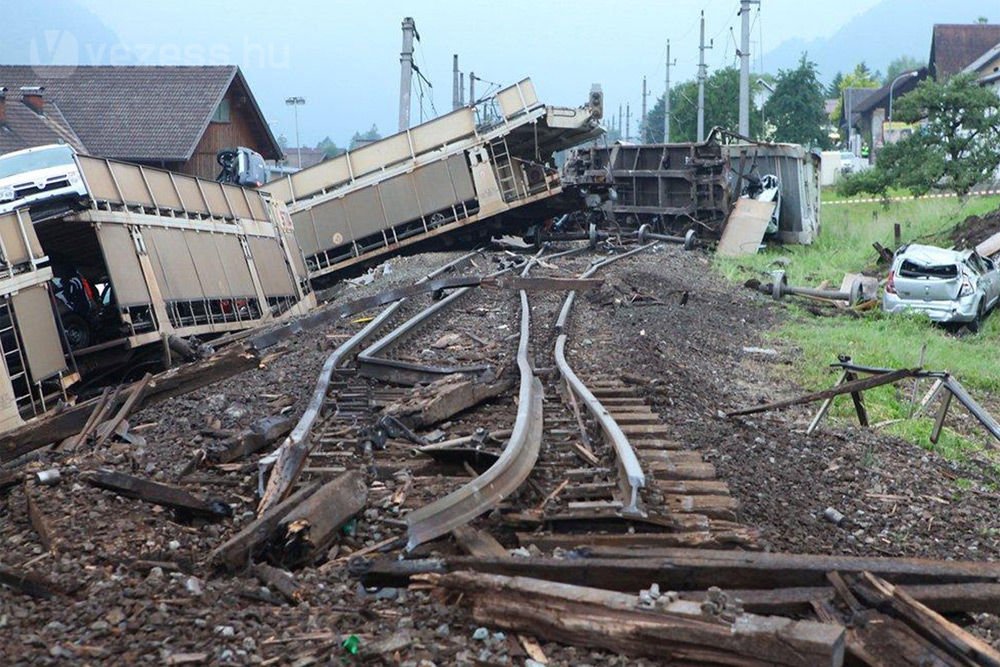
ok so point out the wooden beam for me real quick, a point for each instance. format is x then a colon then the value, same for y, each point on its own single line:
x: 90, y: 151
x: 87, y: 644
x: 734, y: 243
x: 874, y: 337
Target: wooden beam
x: 280, y: 580
x: 260, y: 435
x: 307, y: 531
x: 675, y: 632
x: 239, y: 549
x: 944, y: 634
x: 27, y: 583
x: 695, y: 569
x: 478, y: 542
x: 176, y: 498
x: 845, y: 388
x: 797, y: 601
x: 40, y: 522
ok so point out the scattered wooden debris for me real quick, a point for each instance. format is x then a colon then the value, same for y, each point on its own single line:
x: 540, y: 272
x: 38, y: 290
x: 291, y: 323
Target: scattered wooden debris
x: 57, y: 426
x: 180, y: 500
x: 663, y: 628
x: 307, y: 531
x: 444, y: 398
x: 40, y: 522
x: 279, y: 580
x: 260, y: 435
x: 238, y: 550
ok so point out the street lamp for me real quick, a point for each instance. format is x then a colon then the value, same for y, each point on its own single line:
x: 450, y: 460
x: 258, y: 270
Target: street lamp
x: 901, y: 76
x: 295, y: 103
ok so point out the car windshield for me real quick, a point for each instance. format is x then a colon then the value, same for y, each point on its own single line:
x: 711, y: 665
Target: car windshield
x: 910, y: 269
x: 11, y: 165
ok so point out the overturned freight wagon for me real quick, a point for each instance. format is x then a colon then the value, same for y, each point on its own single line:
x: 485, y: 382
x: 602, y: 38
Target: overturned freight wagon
x: 489, y: 164
x: 669, y: 186
x: 159, y: 254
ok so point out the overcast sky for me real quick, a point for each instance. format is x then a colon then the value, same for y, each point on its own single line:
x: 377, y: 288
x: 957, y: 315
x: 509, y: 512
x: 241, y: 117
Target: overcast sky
x: 343, y: 57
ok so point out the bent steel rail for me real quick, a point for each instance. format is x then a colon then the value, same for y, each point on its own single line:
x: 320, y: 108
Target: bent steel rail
x: 296, y: 446
x: 502, y: 478
x: 630, y: 474
x: 510, y: 470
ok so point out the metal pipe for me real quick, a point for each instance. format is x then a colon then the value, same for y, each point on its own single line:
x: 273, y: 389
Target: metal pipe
x: 689, y: 240
x: 780, y: 288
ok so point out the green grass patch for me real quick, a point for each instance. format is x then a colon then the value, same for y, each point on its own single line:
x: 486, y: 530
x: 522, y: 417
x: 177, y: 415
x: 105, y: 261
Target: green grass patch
x: 875, y: 339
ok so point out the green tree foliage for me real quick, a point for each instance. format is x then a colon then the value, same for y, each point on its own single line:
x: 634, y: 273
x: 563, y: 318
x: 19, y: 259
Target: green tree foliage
x: 861, y: 77
x: 900, y: 65
x: 833, y: 90
x: 329, y: 147
x: 722, y: 94
x: 283, y: 141
x: 955, y: 148
x: 796, y: 106
x: 365, y: 137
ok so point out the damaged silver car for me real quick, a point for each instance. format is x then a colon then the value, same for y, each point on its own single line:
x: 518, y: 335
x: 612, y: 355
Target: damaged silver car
x: 953, y: 287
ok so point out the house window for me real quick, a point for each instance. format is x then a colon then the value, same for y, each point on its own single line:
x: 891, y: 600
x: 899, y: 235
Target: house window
x: 221, y: 114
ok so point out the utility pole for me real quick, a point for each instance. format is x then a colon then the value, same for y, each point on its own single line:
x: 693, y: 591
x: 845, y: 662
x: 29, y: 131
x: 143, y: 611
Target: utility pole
x: 628, y: 120
x: 642, y: 123
x: 620, y: 135
x: 666, y: 99
x: 455, y: 95
x: 472, y: 88
x: 295, y: 103
x: 702, y: 75
x: 745, y: 66
x: 406, y: 71
x: 461, y: 89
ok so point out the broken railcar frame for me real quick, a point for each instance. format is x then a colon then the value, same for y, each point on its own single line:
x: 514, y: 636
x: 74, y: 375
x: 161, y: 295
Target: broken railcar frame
x: 488, y: 163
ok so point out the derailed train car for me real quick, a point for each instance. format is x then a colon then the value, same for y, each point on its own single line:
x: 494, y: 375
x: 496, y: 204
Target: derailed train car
x: 158, y: 254
x: 486, y: 168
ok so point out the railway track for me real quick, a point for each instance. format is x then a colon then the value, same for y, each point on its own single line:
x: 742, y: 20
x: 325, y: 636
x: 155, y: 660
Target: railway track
x: 571, y: 461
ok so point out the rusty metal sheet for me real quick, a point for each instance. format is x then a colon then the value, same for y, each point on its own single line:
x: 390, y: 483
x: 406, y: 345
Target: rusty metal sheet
x: 127, y: 279
x: 461, y: 177
x: 238, y: 201
x: 211, y: 275
x: 177, y: 274
x: 517, y: 99
x: 364, y: 213
x: 399, y: 199
x: 39, y: 334
x: 131, y: 183
x: 100, y: 182
x: 434, y: 187
x: 216, y: 199
x: 271, y: 266
x: 163, y: 189
x: 234, y: 262
x: 746, y: 227
x: 19, y: 239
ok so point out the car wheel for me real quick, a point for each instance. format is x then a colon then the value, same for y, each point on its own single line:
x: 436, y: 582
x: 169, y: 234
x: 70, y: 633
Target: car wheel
x: 975, y: 325
x: 77, y: 331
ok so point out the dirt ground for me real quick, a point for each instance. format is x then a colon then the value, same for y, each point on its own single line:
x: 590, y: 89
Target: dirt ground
x: 139, y: 590
x: 975, y: 229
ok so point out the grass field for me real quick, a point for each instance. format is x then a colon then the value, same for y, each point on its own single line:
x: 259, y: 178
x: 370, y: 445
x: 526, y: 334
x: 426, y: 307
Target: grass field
x: 845, y: 245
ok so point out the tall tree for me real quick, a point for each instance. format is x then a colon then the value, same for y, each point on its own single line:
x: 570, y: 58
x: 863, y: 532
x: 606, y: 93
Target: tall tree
x: 833, y: 90
x: 900, y: 65
x: 796, y: 106
x: 861, y: 77
x: 954, y: 149
x: 722, y: 93
x: 329, y: 147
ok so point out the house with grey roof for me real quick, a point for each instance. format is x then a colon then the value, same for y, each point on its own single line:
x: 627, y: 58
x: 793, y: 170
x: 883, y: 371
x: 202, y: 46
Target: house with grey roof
x: 176, y: 118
